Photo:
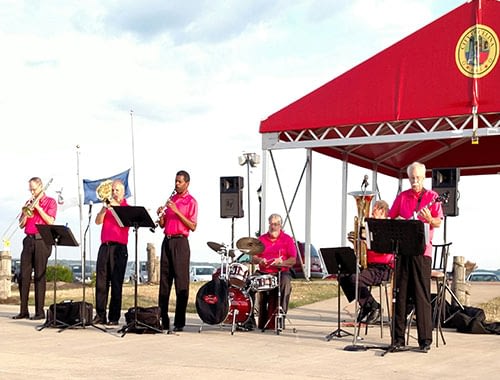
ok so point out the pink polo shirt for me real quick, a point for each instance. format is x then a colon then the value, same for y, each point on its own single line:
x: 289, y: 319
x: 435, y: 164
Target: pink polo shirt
x: 49, y: 205
x: 404, y: 207
x: 283, y: 247
x: 111, y: 231
x: 188, y: 206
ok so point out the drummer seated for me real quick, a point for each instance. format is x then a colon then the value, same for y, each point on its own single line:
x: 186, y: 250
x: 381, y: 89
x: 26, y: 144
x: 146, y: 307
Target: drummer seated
x: 278, y: 256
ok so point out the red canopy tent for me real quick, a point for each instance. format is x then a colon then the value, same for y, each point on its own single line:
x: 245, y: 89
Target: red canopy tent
x: 432, y: 97
x: 427, y: 97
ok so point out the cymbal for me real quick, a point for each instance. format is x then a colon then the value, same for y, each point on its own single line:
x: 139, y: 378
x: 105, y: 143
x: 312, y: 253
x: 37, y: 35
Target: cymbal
x: 250, y: 245
x: 215, y: 246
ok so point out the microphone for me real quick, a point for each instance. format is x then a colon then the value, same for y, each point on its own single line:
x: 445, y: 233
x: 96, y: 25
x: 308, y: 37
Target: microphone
x: 365, y: 181
x: 90, y: 207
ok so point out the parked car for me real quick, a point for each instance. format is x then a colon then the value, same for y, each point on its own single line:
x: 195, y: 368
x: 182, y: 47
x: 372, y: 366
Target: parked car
x: 15, y: 269
x: 201, y: 273
x: 483, y: 276
x: 318, y: 268
x: 143, y: 272
x: 77, y: 273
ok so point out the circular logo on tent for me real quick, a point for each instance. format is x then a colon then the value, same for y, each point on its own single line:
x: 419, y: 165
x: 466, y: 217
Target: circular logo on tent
x: 476, y: 53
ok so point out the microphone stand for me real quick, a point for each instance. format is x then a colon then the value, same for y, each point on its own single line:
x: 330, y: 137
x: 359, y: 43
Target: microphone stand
x: 354, y: 346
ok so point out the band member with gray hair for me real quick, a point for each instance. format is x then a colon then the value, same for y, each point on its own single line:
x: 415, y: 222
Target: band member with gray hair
x: 40, y: 209
x: 111, y: 258
x: 413, y: 272
x: 279, y: 255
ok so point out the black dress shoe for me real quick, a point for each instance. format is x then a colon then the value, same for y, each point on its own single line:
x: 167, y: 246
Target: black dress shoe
x: 112, y: 323
x: 99, y: 320
x: 374, y: 316
x: 37, y: 317
x: 424, y: 348
x: 21, y: 316
x: 363, y: 313
x: 178, y: 329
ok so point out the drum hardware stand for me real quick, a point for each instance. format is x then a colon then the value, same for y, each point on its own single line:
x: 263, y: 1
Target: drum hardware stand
x: 279, y: 313
x: 55, y: 235
x: 134, y: 216
x: 340, y: 261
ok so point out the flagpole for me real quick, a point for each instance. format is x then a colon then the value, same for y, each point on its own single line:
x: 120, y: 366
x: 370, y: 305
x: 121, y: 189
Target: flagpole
x: 133, y: 153
x: 80, y: 206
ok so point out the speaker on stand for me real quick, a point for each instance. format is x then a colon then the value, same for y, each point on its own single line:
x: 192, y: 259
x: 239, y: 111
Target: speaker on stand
x: 231, y: 200
x: 446, y: 180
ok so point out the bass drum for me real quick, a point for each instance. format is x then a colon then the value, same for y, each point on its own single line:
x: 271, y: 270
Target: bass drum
x: 212, y: 301
x: 240, y: 306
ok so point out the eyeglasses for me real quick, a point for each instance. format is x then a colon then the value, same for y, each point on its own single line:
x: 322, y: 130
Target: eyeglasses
x: 275, y: 224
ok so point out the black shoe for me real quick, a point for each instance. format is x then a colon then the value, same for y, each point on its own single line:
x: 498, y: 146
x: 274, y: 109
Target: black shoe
x: 374, y: 316
x: 112, y: 323
x: 178, y: 329
x: 99, y: 320
x: 37, y: 317
x: 424, y: 348
x: 21, y: 316
x: 397, y: 348
x: 363, y: 313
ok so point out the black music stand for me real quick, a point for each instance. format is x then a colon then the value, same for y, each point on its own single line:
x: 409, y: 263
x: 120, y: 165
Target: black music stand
x: 55, y: 235
x: 401, y: 237
x: 341, y: 261
x: 134, y: 216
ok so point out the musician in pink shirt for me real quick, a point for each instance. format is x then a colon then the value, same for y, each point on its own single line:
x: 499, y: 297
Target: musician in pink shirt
x: 111, y: 259
x: 35, y: 253
x: 413, y: 272
x: 177, y: 218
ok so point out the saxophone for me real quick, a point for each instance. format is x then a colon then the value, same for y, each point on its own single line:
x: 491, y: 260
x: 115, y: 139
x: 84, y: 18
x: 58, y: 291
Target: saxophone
x: 363, y: 202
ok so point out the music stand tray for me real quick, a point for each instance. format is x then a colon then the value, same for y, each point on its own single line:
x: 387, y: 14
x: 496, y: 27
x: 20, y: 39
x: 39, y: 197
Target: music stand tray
x: 134, y: 216
x: 55, y: 235
x: 401, y: 237
x: 341, y: 260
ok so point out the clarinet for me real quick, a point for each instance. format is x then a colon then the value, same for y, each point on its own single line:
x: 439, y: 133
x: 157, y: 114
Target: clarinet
x: 160, y: 215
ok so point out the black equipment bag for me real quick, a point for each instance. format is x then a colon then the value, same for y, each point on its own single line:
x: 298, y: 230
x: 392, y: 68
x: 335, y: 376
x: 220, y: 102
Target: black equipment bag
x: 212, y: 301
x: 149, y: 316
x: 69, y: 313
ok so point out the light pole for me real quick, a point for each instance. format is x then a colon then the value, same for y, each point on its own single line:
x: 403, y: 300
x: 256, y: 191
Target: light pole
x: 249, y: 159
x: 259, y: 196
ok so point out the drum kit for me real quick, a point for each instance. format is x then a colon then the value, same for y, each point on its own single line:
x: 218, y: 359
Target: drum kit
x: 226, y: 298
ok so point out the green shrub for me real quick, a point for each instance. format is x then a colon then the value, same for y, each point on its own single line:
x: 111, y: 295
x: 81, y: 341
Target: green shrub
x: 61, y: 272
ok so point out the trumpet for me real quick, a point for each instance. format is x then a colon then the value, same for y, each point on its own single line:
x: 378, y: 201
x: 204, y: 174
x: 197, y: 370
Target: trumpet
x: 29, y: 208
x: 162, y: 213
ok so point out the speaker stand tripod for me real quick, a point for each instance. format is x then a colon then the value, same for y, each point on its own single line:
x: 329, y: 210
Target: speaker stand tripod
x: 134, y: 216
x: 57, y: 236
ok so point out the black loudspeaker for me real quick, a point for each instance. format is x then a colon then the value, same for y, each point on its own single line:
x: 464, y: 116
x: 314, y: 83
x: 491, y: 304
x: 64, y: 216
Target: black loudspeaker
x: 446, y: 180
x: 231, y: 197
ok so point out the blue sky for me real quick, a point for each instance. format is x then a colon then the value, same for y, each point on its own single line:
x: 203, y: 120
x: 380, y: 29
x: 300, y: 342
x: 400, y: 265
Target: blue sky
x: 199, y: 77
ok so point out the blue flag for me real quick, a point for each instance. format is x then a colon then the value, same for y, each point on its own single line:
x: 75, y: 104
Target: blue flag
x: 90, y: 187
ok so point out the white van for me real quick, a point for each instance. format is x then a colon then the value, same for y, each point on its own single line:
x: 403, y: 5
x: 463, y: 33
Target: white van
x: 201, y: 273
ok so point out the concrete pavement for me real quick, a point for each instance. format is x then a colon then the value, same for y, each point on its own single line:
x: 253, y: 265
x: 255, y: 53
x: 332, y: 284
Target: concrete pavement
x: 90, y: 353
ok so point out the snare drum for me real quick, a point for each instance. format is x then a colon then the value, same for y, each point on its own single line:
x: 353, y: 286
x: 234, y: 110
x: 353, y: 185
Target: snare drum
x: 238, y: 274
x: 264, y: 282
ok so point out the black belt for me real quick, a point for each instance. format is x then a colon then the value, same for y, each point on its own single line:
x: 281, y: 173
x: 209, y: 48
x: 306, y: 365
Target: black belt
x: 34, y: 236
x: 179, y: 236
x: 112, y: 243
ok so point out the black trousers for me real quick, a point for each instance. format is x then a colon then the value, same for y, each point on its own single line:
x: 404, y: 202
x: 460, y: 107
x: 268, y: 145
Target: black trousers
x: 372, y: 275
x: 175, y: 257
x: 413, y: 282
x: 34, y: 257
x: 110, y: 272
